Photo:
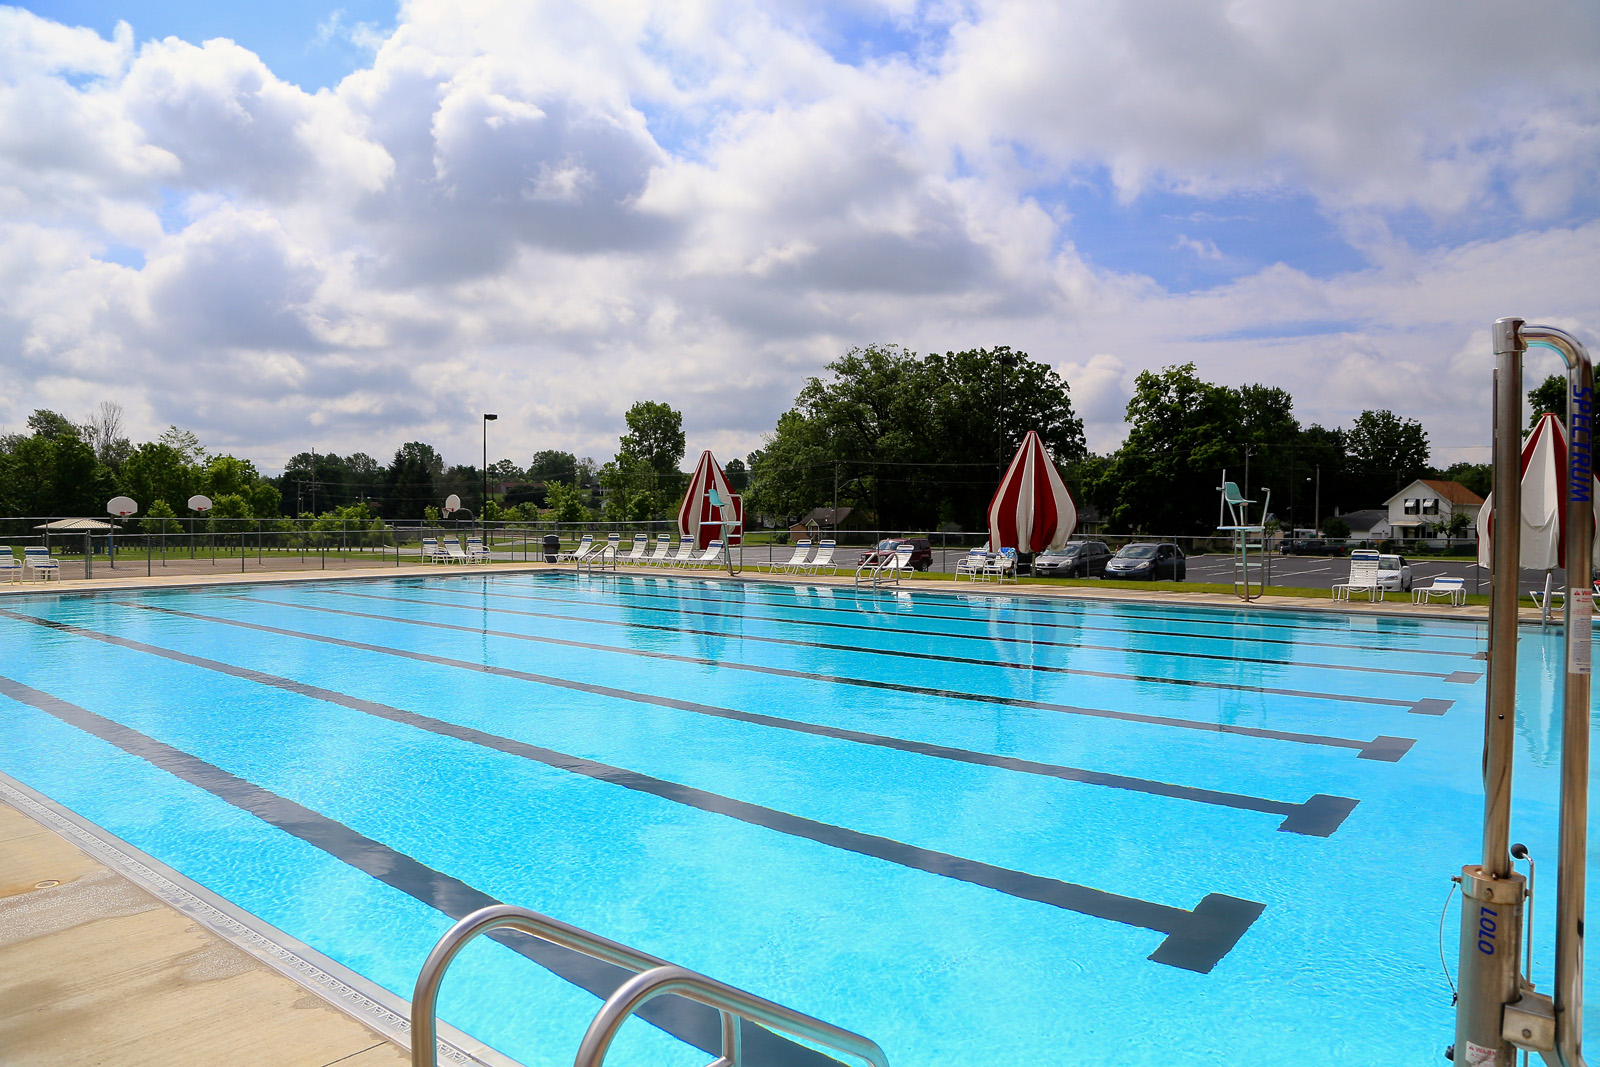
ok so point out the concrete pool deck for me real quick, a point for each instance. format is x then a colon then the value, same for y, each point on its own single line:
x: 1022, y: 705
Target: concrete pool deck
x: 98, y: 970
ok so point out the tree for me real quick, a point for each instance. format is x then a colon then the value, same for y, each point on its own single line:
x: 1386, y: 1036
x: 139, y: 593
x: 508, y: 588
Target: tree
x: 655, y: 436
x: 103, y: 431
x: 505, y: 470
x: 553, y: 466
x: 738, y: 476
x: 1549, y: 396
x: 159, y: 519
x: 50, y: 424
x: 186, y: 443
x: 157, y: 471
x: 411, y: 482
x: 1386, y: 452
x: 566, y: 503
x: 1335, y: 527
x: 1475, y: 476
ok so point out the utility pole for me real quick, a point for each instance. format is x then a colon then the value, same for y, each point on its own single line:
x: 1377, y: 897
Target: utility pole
x: 1316, y: 511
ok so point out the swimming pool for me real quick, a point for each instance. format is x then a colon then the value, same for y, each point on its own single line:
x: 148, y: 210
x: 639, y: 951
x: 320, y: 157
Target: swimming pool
x: 975, y: 829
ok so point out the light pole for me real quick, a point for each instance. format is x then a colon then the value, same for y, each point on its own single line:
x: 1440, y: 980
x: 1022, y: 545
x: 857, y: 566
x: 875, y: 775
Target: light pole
x: 484, y: 503
x: 1007, y: 361
x: 1316, y: 509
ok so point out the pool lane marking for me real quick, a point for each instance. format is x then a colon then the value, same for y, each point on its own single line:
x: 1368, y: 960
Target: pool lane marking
x: 1465, y: 677
x: 1260, y: 618
x: 1425, y: 706
x: 1196, y: 939
x: 1317, y: 816
x: 1051, y: 625
x: 1383, y: 748
x: 685, y: 1020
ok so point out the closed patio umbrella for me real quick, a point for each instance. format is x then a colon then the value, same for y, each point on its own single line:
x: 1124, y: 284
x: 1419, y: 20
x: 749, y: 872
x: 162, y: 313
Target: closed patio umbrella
x: 1032, y: 510
x: 698, y: 516
x: 1544, y: 501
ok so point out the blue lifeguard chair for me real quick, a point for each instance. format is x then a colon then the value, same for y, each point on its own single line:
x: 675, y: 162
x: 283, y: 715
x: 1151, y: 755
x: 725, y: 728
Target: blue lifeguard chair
x: 1252, y: 556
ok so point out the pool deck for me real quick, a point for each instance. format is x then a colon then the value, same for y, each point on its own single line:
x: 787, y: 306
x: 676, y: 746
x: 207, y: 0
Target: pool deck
x: 94, y: 969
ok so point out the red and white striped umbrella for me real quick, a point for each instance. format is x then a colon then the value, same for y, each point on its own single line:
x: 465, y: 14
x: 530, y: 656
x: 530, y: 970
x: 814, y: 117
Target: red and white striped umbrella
x: 698, y: 517
x: 1544, y: 501
x: 1032, y: 510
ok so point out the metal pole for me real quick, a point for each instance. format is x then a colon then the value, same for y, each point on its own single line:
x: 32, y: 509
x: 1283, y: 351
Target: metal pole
x: 1492, y: 894
x: 1579, y: 612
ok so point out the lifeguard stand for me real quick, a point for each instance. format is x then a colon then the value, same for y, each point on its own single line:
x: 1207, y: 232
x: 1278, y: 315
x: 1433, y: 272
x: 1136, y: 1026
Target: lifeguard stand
x: 1251, y: 553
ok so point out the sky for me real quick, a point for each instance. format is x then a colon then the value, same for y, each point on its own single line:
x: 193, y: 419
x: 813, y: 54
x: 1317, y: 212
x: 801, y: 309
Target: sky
x: 297, y: 226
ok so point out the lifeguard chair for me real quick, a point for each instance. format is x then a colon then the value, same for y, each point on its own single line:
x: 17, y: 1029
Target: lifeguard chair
x: 1252, y: 557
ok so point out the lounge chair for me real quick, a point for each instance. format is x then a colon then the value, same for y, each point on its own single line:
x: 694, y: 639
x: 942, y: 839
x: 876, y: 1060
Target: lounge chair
x: 39, y: 561
x: 684, y: 555
x: 709, y: 558
x: 432, y: 553
x: 972, y: 564
x: 658, y: 558
x: 454, y: 552
x: 10, y: 565
x: 589, y: 550
x: 1001, y: 566
x: 802, y: 549
x: 888, y: 569
x: 823, y: 558
x: 577, y: 551
x: 1453, y: 589
x: 641, y: 545
x: 1363, y: 577
x: 476, y: 553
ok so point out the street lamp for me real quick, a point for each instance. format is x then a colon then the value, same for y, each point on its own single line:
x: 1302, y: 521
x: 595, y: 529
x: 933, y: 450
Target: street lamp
x: 1007, y: 361
x: 483, y: 505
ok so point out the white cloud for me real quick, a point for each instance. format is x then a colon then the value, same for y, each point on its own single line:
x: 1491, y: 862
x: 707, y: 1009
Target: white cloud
x: 553, y: 210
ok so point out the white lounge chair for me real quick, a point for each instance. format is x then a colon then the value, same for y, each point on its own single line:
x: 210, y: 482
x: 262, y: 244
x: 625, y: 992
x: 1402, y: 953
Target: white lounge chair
x: 641, y: 545
x: 589, y: 550
x: 476, y: 553
x: 684, y: 554
x: 1363, y: 577
x: 39, y: 561
x: 1001, y: 566
x: 10, y: 565
x: 432, y: 553
x: 578, y: 550
x: 802, y: 549
x: 823, y: 558
x: 454, y: 553
x: 888, y: 569
x: 971, y: 565
x: 1453, y: 589
x: 709, y: 558
x: 658, y: 558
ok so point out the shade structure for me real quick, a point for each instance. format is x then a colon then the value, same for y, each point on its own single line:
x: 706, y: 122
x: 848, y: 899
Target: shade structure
x: 1544, y: 501
x: 698, y: 517
x: 1032, y: 510
x: 76, y: 526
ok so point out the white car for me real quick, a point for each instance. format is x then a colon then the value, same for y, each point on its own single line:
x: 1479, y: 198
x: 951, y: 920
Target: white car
x: 1394, y: 574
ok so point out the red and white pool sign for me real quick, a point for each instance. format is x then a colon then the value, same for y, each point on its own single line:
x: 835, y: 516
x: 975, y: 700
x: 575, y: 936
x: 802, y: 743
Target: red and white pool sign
x: 1580, y: 643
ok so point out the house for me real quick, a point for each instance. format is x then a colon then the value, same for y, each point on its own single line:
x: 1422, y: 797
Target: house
x: 1424, y: 508
x: 1369, y: 525
x: 827, y: 519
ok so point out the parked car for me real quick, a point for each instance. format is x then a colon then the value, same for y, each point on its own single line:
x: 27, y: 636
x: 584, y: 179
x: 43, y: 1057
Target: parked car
x: 1075, y: 559
x: 1149, y: 561
x: 1394, y: 574
x: 1312, y: 546
x: 921, y: 552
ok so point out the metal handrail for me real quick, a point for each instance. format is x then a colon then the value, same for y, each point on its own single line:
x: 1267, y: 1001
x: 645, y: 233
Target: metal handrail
x: 734, y: 1004
x: 425, y: 997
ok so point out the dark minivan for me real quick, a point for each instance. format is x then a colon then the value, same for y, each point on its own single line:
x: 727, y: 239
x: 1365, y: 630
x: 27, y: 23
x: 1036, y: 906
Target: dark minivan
x: 921, y: 552
x: 1075, y: 559
x: 1147, y: 561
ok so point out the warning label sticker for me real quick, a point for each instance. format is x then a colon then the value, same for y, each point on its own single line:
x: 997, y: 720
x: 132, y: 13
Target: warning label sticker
x: 1479, y: 1056
x: 1580, y: 642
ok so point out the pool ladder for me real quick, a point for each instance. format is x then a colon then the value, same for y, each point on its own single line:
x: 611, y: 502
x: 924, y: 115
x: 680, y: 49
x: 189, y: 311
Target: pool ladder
x: 652, y: 978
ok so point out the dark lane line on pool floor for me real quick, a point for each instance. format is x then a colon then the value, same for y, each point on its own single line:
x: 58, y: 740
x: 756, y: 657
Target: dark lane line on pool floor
x: 1196, y: 939
x: 1254, y: 621
x: 687, y: 1021
x: 1383, y: 748
x: 1423, y: 706
x: 1455, y: 676
x: 1317, y: 816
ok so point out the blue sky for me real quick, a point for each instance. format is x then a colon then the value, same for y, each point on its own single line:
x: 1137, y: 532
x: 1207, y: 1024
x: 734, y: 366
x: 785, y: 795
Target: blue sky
x: 557, y: 208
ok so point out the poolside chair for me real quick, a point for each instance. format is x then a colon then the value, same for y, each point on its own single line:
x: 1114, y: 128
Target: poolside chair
x: 476, y: 553
x: 971, y: 565
x: 1453, y: 589
x: 10, y: 565
x: 658, y: 558
x: 641, y: 545
x: 577, y: 550
x: 38, y: 560
x: 432, y: 553
x: 823, y: 558
x: 1363, y: 577
x: 684, y: 555
x: 454, y: 552
x: 589, y: 550
x: 709, y: 558
x: 802, y: 549
x: 1002, y: 566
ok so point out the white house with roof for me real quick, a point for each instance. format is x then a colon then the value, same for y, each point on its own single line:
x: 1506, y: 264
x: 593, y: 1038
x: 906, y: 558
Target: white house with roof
x: 1424, y: 508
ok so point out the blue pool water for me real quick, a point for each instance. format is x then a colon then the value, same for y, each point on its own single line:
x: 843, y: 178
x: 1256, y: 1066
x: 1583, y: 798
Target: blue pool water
x: 985, y: 829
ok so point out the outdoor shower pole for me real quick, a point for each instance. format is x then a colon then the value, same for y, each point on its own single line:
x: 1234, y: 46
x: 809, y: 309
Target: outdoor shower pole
x: 1492, y: 893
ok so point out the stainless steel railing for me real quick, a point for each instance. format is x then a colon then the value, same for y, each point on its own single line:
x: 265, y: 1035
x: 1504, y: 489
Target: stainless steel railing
x: 655, y: 977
